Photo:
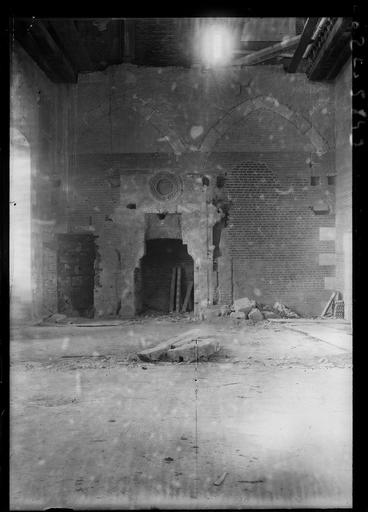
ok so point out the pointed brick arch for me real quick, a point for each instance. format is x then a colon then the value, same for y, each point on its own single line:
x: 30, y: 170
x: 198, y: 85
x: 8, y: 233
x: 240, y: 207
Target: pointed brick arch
x: 148, y: 113
x: 268, y: 103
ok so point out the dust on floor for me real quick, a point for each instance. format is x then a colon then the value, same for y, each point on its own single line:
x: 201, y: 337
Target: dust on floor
x: 93, y: 427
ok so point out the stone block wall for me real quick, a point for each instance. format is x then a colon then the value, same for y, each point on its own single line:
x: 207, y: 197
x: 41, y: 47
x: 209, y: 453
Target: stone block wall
x: 344, y: 186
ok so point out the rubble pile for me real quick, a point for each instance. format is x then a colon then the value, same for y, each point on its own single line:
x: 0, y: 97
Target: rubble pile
x: 248, y: 309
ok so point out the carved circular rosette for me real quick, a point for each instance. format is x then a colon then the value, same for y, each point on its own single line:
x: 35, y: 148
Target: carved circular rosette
x: 165, y: 186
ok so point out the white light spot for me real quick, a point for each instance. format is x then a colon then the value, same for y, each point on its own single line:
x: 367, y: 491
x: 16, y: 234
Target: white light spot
x: 257, y: 292
x: 78, y: 387
x: 65, y: 344
x: 196, y: 131
x: 217, y: 43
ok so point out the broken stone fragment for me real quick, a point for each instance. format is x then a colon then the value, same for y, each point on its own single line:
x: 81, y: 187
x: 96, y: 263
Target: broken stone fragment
x: 284, y: 311
x: 157, y: 352
x: 194, y: 350
x: 210, y: 313
x: 238, y: 314
x: 246, y: 311
x: 243, y: 304
x: 255, y: 315
x: 225, y: 310
x: 270, y: 314
x: 264, y: 307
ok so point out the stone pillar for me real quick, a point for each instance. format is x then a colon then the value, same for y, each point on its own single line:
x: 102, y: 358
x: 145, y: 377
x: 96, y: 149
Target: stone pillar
x: 194, y: 232
x: 132, y: 250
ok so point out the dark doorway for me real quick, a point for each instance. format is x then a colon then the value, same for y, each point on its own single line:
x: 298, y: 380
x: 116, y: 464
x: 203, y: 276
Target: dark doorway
x: 75, y: 274
x: 154, y: 276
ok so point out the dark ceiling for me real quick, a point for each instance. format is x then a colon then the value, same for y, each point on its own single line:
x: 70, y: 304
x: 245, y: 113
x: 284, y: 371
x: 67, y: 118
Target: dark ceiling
x: 66, y: 47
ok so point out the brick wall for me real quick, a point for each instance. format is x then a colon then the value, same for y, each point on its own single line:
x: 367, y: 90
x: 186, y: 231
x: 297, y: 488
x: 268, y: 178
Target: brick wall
x: 344, y: 194
x: 94, y: 193
x: 271, y: 249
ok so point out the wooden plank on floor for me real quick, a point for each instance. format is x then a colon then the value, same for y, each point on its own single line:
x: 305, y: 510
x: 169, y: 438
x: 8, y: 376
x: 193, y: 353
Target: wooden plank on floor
x: 172, y: 290
x: 187, y: 296
x: 330, y: 300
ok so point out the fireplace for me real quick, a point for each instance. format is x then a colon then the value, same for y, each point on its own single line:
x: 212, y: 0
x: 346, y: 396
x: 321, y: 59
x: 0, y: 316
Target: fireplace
x: 155, y: 277
x: 163, y: 227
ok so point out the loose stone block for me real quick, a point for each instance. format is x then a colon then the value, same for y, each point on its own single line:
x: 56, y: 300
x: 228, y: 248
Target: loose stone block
x: 255, y: 315
x: 270, y: 314
x: 238, y: 314
x: 244, y: 303
x: 156, y: 353
x: 194, y: 350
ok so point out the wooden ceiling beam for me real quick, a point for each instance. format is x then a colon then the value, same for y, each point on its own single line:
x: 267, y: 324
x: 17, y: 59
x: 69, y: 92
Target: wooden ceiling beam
x: 73, y: 44
x: 129, y: 40
x: 331, y: 49
x: 24, y: 36
x: 117, y: 42
x: 339, y: 62
x: 306, y: 38
x: 267, y: 53
x: 53, y: 53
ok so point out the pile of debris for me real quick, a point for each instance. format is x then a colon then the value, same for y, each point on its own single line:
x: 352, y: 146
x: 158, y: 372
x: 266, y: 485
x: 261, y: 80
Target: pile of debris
x: 247, y: 309
x: 190, y: 346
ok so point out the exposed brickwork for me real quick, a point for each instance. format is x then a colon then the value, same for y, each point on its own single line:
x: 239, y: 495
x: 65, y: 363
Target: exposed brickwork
x: 76, y: 258
x: 273, y: 235
x: 94, y: 194
x: 344, y: 195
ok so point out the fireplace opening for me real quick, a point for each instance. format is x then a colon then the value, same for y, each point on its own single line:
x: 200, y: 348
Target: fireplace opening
x: 159, y: 286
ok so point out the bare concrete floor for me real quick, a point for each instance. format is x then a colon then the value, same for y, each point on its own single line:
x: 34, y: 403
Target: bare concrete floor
x: 90, y: 427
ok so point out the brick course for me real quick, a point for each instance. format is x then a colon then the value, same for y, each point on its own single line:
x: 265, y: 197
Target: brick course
x: 273, y: 236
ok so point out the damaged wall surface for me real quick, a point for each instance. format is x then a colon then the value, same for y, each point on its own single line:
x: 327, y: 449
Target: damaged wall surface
x: 344, y: 187
x: 251, y: 152
x: 40, y: 112
x: 255, y: 128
